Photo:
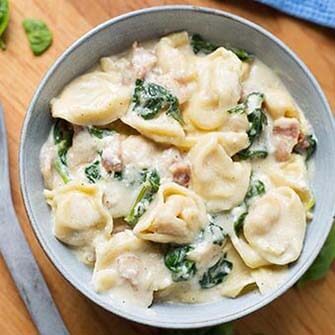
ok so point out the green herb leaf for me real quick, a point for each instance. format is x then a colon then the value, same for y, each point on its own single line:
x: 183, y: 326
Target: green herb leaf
x: 306, y: 146
x: 238, y: 109
x: 216, y: 273
x: 224, y: 329
x: 323, y: 262
x: 215, y: 232
x: 150, y: 186
x: 250, y: 154
x: 93, y: 173
x: 176, y: 261
x: 100, y: 132
x: 238, y: 224
x: 4, y: 20
x: 257, y: 120
x: 150, y: 99
x: 256, y: 189
x: 62, y: 134
x: 39, y: 35
x: 198, y: 44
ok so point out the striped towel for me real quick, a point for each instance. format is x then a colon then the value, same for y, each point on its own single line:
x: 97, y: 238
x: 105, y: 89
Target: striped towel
x: 318, y: 11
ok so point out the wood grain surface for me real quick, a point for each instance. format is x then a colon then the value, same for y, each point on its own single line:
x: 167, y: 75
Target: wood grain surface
x: 310, y: 310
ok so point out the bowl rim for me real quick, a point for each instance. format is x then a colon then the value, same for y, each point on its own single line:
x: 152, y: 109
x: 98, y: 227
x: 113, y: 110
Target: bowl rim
x: 120, y: 311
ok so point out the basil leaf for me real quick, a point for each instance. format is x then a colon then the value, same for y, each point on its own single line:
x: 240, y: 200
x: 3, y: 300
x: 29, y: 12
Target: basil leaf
x: 323, y: 262
x: 216, y: 273
x: 4, y: 20
x: 39, y: 35
x: 93, y: 173
x: 150, y: 99
x: 176, y: 261
x: 62, y: 134
x: 198, y: 44
x: 150, y: 186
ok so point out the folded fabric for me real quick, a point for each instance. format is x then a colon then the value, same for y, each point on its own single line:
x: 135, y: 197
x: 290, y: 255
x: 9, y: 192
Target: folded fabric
x: 318, y: 11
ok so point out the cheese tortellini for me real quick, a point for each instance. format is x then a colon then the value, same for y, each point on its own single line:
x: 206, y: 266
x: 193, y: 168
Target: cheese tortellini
x: 79, y: 216
x: 275, y: 226
x: 178, y: 171
x: 94, y: 98
x: 130, y: 268
x: 177, y: 215
x: 222, y: 182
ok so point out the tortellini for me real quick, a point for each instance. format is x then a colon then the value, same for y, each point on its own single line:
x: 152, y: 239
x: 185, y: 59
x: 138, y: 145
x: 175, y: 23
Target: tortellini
x: 94, y: 98
x: 218, y: 90
x: 176, y: 216
x: 293, y: 173
x: 239, y: 278
x: 79, y: 215
x: 222, y: 182
x: 162, y: 129
x: 130, y: 268
x: 275, y: 226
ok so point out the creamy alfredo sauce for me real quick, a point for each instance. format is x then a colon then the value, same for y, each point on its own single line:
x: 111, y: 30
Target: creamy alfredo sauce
x: 177, y: 170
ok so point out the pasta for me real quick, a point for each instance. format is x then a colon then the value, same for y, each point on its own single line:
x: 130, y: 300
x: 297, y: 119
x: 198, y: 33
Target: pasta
x: 177, y: 215
x: 222, y: 182
x: 178, y: 170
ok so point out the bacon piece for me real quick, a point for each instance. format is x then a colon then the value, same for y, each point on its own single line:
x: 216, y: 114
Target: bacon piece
x: 285, y: 136
x: 181, y: 173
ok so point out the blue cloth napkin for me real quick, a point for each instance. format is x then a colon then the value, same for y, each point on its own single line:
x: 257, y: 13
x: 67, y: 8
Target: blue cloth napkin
x: 318, y: 11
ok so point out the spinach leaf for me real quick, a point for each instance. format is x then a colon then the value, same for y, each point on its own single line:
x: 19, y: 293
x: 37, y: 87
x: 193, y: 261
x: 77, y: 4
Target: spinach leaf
x: 198, y: 44
x: 323, y: 262
x: 306, y: 146
x: 150, y: 186
x: 257, y: 120
x: 93, y: 173
x: 238, y: 109
x: 238, y: 224
x: 39, y: 35
x: 118, y: 175
x: 216, y: 273
x: 251, y: 154
x: 224, y: 329
x: 213, y: 231
x: 62, y: 134
x: 100, y: 132
x: 176, y: 261
x: 150, y: 99
x: 256, y: 188
x: 4, y: 20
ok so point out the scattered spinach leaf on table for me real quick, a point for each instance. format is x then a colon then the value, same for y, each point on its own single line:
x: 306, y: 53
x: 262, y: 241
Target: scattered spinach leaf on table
x: 323, y: 262
x: 39, y: 35
x: 4, y: 20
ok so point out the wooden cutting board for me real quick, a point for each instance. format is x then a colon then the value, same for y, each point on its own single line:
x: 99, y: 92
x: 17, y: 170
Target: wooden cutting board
x: 310, y: 310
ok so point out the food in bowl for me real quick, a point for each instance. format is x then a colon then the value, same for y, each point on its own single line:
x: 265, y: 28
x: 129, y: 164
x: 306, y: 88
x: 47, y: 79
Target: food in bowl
x: 177, y: 170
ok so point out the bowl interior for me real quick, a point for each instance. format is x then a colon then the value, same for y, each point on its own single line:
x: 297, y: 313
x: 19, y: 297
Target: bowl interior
x: 113, y: 37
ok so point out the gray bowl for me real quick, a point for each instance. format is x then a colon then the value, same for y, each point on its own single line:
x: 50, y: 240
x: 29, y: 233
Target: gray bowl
x: 114, y: 36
